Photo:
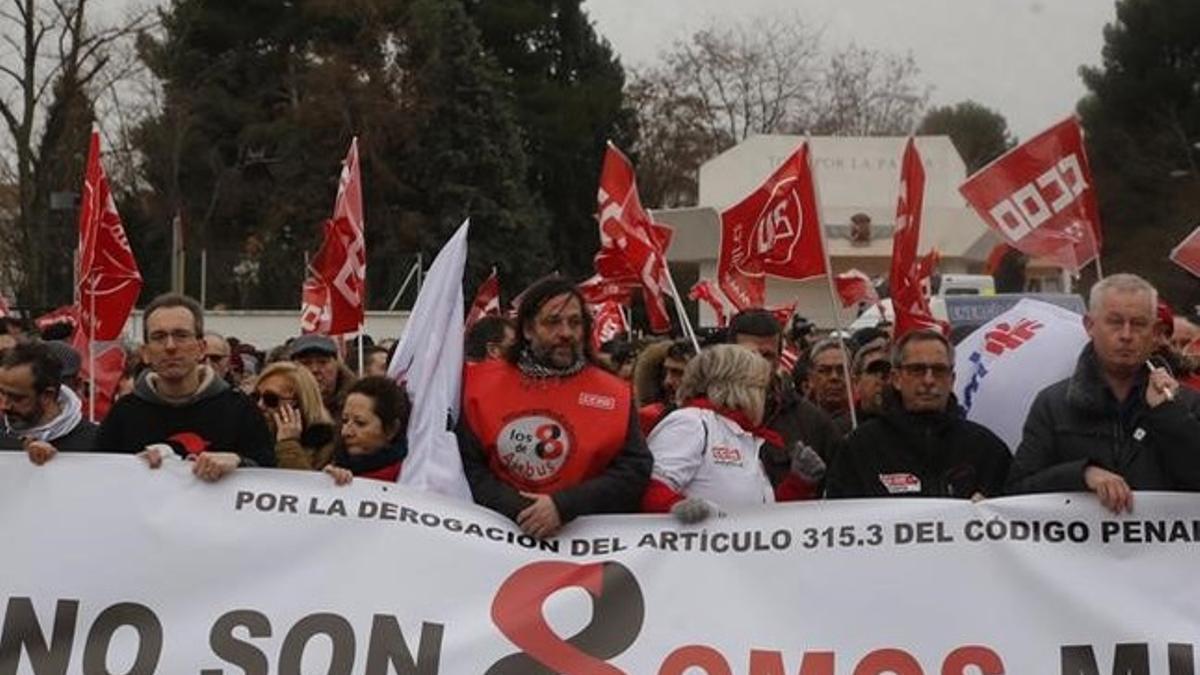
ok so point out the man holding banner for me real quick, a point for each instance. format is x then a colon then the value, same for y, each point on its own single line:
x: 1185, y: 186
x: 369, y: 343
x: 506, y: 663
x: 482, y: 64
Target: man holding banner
x: 545, y: 435
x: 1119, y: 423
x: 921, y: 445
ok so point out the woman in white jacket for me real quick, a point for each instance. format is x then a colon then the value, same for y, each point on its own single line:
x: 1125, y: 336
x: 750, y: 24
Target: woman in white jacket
x: 706, y: 452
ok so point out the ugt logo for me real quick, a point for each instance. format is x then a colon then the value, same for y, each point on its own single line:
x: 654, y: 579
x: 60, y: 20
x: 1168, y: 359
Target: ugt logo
x: 617, y: 615
x: 1007, y: 338
x: 779, y: 224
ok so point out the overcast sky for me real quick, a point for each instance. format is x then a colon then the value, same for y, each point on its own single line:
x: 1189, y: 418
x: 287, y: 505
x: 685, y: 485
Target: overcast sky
x: 1019, y: 57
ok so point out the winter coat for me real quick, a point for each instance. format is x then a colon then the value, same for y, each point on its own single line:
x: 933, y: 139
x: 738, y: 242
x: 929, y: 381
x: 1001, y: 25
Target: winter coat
x: 904, y: 454
x: 1078, y: 423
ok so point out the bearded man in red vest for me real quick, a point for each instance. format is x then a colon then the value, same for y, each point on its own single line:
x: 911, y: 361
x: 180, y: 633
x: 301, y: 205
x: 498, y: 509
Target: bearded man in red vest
x: 546, y: 435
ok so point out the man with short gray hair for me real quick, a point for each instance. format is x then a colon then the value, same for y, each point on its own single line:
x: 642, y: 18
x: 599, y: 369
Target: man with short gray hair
x: 1120, y: 422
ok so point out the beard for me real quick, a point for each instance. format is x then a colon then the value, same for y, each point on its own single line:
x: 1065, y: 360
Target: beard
x: 29, y: 420
x: 559, y: 354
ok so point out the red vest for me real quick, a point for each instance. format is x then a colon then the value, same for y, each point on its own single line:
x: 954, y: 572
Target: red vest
x: 544, y: 435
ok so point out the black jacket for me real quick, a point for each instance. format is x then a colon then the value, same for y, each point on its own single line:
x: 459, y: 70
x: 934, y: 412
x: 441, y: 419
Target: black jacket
x: 82, y: 438
x: 796, y: 420
x: 1077, y: 422
x: 216, y: 418
x: 919, y: 455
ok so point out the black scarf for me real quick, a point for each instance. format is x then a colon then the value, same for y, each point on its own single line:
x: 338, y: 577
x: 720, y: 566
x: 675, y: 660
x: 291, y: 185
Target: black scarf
x: 360, y: 464
x: 531, y: 366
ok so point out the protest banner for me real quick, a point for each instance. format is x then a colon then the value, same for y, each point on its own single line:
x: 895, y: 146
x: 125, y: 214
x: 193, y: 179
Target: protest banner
x: 111, y: 567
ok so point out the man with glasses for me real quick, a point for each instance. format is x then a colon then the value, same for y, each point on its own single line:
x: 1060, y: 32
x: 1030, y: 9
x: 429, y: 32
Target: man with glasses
x: 871, y: 374
x: 827, y: 381
x: 40, y: 414
x: 545, y: 434
x: 1120, y: 422
x: 216, y: 354
x: 179, y: 407
x: 921, y: 445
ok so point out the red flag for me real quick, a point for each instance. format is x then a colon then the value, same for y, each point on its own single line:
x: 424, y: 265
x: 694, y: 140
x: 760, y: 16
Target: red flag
x: 631, y: 245
x: 704, y: 291
x: 66, y: 314
x: 110, y: 365
x: 607, y: 323
x: 854, y: 287
x: 109, y: 280
x: 597, y: 290
x: 776, y: 230
x: 335, y: 291
x: 487, y: 300
x: 1186, y: 254
x: 908, y: 301
x: 1039, y: 197
x: 783, y: 314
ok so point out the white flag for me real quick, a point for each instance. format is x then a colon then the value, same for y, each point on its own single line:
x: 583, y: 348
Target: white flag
x: 429, y: 363
x: 1001, y: 367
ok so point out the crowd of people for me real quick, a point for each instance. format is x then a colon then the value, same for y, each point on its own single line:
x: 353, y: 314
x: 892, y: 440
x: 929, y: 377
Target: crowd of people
x: 550, y: 431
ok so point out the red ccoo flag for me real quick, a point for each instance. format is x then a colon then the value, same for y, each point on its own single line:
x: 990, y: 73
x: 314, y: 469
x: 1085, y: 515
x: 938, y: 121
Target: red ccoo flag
x: 632, y: 247
x: 597, y: 290
x: 776, y: 230
x: 703, y: 291
x: 1039, y: 197
x: 334, y: 293
x: 607, y: 323
x: 854, y: 287
x: 487, y: 301
x: 908, y: 300
x: 1187, y: 253
x: 109, y: 280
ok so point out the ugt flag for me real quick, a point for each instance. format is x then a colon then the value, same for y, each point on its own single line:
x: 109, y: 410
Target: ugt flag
x: 775, y: 230
x: 109, y: 279
x: 428, y: 363
x: 1001, y: 367
x: 1040, y: 197
x: 1187, y: 253
x: 334, y: 293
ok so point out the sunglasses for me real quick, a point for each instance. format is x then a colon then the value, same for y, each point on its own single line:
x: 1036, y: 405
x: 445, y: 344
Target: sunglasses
x: 879, y: 368
x: 939, y: 370
x: 269, y: 398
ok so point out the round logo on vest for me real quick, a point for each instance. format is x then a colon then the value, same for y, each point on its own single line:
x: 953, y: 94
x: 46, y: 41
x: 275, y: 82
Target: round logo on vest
x: 534, y: 447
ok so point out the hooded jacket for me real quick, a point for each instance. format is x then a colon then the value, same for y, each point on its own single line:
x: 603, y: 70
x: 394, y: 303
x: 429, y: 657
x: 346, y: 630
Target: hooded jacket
x: 214, y: 418
x: 1078, y: 423
x: 69, y: 431
x: 904, y: 454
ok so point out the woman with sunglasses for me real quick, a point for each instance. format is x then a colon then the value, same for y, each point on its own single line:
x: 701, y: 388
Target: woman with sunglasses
x: 372, y: 442
x: 289, y: 398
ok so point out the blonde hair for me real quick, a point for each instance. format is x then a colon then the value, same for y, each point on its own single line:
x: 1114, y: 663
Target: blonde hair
x: 730, y: 376
x: 308, y: 392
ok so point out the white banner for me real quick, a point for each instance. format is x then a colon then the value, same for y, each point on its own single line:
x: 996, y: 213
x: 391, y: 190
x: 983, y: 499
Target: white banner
x: 1000, y: 368
x: 110, y: 567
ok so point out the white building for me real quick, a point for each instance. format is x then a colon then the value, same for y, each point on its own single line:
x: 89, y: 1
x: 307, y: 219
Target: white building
x: 854, y: 175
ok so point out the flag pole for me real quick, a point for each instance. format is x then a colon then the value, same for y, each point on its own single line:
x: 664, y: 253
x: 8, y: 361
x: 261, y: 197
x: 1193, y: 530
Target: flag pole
x: 361, y: 339
x: 686, y: 323
x: 92, y: 356
x: 829, y: 283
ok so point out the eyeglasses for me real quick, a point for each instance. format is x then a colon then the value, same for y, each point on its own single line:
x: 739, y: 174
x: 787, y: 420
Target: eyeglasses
x: 828, y: 371
x: 880, y: 368
x: 939, y: 370
x: 269, y: 398
x: 160, y: 337
x: 215, y: 358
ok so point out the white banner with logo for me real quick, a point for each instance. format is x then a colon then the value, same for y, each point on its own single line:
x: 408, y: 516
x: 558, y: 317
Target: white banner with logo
x: 110, y: 567
x: 1000, y: 368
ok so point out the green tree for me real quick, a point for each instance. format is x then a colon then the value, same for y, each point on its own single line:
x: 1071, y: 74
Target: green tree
x: 262, y: 98
x: 1142, y: 118
x: 978, y: 133
x: 568, y: 88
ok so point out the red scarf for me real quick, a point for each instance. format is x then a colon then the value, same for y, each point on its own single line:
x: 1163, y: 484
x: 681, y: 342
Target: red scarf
x: 737, y: 416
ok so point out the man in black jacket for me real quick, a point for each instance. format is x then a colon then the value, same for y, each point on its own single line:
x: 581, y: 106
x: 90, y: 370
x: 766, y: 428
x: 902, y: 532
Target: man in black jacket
x: 179, y: 407
x: 1118, y: 423
x: 921, y: 445
x: 41, y: 415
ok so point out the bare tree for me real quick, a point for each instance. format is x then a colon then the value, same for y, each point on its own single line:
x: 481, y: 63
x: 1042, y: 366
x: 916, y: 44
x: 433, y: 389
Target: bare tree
x: 51, y: 64
x: 770, y: 75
